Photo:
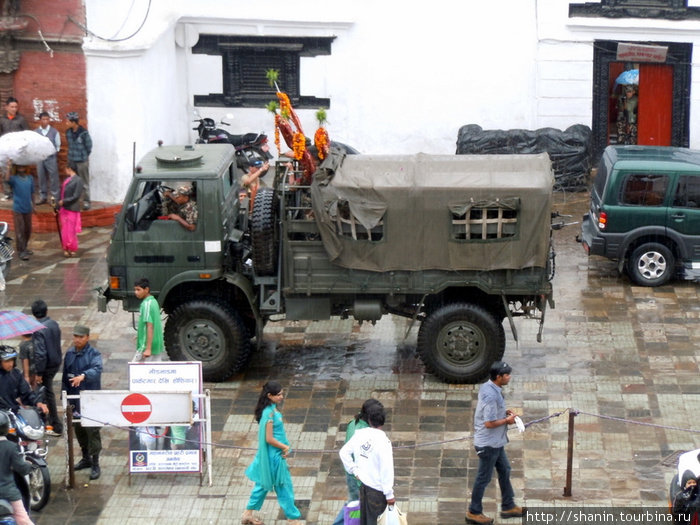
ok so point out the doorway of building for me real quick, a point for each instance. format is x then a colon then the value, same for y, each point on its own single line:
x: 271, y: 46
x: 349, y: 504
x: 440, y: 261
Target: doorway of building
x: 641, y: 102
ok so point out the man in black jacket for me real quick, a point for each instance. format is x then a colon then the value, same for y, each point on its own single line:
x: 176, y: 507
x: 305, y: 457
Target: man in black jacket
x: 48, y: 357
x: 82, y: 370
x: 13, y: 386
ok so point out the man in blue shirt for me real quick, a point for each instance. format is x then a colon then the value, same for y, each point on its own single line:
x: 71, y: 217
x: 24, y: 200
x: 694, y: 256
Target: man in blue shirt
x: 22, y: 186
x: 491, y: 421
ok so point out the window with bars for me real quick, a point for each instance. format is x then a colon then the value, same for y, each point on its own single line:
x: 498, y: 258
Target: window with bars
x: 484, y: 223
x: 347, y: 225
x: 245, y: 62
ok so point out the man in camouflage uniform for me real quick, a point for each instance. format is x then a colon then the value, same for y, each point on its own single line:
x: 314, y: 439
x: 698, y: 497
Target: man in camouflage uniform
x: 181, y: 208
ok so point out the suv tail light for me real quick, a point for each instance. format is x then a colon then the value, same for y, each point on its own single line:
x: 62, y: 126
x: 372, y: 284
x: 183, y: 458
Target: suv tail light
x: 602, y: 220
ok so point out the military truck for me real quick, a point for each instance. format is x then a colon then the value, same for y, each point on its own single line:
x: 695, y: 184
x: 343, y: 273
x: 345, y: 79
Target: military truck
x: 457, y: 243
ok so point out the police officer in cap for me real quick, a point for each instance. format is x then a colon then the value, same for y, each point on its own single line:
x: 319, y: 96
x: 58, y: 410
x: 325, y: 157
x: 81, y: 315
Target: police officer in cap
x: 82, y: 370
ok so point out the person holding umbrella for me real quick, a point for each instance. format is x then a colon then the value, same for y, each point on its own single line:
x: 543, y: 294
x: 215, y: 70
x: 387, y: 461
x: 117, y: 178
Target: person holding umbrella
x: 13, y: 386
x: 69, y: 211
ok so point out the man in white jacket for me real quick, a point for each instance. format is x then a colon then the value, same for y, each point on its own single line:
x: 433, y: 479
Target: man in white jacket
x: 369, y: 457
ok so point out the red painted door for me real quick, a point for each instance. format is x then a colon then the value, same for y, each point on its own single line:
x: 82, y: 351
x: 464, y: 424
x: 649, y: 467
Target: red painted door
x: 655, y: 104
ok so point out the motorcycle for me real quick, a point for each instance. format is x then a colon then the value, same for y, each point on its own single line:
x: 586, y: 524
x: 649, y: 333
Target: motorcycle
x: 6, y: 514
x: 27, y: 430
x: 6, y: 253
x: 250, y: 147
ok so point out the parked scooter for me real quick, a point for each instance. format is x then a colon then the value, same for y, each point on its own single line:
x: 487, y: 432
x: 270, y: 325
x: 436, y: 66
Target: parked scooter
x: 250, y: 147
x: 27, y: 430
x: 6, y: 253
x: 6, y: 514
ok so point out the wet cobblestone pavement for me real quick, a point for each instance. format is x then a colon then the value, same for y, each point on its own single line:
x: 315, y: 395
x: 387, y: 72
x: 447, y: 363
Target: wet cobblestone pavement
x: 610, y: 349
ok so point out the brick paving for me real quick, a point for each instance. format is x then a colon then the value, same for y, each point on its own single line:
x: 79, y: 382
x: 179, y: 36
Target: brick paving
x: 609, y: 348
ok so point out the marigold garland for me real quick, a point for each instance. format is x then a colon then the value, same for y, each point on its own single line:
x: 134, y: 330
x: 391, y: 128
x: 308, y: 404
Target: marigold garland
x: 299, y: 145
x: 277, y: 134
x: 285, y: 104
x: 321, y: 142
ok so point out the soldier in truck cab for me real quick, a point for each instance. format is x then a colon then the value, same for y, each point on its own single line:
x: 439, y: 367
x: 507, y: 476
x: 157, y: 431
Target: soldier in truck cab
x: 181, y: 207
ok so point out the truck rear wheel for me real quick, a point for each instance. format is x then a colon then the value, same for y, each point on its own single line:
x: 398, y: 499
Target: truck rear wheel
x: 210, y: 332
x: 263, y: 232
x: 458, y: 342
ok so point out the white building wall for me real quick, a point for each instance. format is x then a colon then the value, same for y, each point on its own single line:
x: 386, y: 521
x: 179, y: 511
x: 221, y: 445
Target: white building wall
x: 402, y: 77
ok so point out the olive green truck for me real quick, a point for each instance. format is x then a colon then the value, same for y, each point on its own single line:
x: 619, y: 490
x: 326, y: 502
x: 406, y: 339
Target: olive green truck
x: 456, y: 243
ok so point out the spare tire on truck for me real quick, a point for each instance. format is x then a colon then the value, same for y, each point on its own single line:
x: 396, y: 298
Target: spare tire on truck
x: 264, y: 232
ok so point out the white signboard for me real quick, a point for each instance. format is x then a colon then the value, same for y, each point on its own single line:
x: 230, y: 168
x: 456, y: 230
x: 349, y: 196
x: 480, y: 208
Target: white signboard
x: 164, y: 461
x: 123, y: 408
x: 641, y: 53
x: 166, y: 376
x: 167, y: 447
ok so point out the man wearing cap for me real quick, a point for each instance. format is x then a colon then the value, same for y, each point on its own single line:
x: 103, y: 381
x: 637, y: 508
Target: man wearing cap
x: 82, y: 370
x: 13, y: 386
x: 79, y: 149
x: 491, y: 421
x: 181, y: 207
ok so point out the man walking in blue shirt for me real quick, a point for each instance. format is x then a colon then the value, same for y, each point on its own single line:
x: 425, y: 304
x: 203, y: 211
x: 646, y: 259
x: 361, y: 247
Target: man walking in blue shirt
x: 22, y: 185
x: 491, y: 421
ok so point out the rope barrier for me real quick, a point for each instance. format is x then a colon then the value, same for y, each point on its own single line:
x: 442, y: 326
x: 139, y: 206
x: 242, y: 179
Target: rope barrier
x: 198, y: 443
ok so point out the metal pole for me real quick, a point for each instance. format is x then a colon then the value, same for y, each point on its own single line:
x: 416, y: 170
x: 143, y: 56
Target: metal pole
x: 68, y: 412
x: 569, y: 455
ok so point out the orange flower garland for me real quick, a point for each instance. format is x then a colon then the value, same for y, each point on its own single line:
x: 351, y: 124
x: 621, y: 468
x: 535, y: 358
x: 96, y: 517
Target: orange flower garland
x: 321, y: 142
x: 277, y: 134
x: 299, y: 145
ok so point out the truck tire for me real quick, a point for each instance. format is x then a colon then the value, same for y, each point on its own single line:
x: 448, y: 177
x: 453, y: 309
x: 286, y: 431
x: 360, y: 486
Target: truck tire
x: 458, y: 342
x: 264, y: 232
x: 211, y: 332
x: 651, y: 264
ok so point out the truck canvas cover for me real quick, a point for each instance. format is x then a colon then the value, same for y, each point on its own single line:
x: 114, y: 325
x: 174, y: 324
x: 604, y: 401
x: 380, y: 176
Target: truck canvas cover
x: 434, y: 212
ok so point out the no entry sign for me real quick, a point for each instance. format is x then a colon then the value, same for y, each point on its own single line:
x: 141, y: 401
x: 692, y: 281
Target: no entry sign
x: 136, y: 408
x: 126, y: 409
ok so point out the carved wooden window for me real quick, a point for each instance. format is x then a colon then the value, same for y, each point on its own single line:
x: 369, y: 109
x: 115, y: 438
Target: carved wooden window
x: 245, y: 62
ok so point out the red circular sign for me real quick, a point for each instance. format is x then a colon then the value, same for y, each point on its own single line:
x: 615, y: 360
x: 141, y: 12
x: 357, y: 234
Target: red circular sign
x: 136, y: 408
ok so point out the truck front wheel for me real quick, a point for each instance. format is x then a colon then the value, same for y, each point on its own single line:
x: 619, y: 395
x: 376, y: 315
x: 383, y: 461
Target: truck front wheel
x: 210, y: 332
x: 458, y: 342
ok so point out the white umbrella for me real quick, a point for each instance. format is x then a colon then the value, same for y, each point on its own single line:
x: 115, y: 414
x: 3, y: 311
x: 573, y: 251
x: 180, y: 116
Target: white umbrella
x: 25, y: 147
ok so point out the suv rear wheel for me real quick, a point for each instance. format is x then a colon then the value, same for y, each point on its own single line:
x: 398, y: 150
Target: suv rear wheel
x: 651, y: 264
x: 458, y: 342
x: 211, y: 332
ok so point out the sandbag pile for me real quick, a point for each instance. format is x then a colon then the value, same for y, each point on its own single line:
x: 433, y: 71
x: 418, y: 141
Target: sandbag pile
x: 569, y: 150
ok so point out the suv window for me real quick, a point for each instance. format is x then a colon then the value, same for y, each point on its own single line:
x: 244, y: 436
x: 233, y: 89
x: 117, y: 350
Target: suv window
x: 644, y: 189
x: 601, y: 177
x: 687, y: 193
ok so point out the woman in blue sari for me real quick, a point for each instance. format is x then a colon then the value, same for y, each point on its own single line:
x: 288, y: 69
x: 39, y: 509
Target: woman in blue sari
x: 269, y: 469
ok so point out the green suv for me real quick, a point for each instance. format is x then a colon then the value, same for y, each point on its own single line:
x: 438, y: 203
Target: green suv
x: 645, y: 212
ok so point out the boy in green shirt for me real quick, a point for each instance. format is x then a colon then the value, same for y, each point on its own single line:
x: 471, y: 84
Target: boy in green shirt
x: 149, y: 336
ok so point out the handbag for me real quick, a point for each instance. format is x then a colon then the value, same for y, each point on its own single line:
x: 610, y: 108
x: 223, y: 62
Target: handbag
x: 392, y: 516
x: 351, y: 513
